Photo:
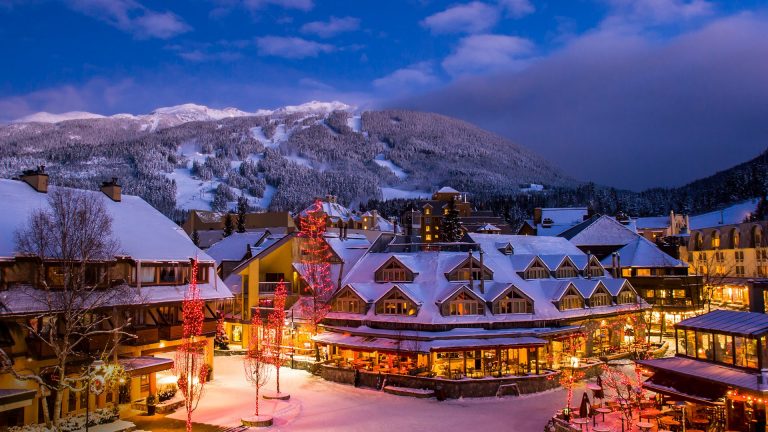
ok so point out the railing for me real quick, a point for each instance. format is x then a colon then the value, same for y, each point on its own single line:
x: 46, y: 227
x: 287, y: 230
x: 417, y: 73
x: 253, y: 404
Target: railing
x: 270, y: 287
x: 144, y: 335
x: 170, y: 332
x: 209, y: 327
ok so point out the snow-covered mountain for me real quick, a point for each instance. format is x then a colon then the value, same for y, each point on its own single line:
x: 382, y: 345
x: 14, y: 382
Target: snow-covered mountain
x: 192, y: 156
x: 179, y: 114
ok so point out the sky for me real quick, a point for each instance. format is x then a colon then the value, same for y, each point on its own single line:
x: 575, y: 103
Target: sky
x: 626, y: 93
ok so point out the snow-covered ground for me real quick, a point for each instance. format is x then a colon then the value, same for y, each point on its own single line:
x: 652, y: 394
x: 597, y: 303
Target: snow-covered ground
x: 355, y: 123
x: 319, y: 405
x: 191, y: 193
x: 389, y: 193
x: 386, y: 163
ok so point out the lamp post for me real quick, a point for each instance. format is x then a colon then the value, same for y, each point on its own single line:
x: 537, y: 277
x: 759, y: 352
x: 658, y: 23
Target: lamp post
x: 95, y: 387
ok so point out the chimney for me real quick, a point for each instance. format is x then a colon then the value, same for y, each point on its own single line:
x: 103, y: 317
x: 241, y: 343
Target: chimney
x: 537, y: 215
x: 588, y: 274
x: 471, y: 281
x: 618, y: 264
x: 37, y: 178
x: 482, y: 274
x: 112, y: 189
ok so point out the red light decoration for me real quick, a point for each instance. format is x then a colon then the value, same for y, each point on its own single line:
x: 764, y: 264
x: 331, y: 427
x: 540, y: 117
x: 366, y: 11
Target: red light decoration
x: 315, y: 259
x: 275, y: 325
x: 189, y: 365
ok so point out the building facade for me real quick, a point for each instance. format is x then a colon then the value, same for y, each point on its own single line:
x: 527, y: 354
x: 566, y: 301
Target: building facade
x: 151, y: 272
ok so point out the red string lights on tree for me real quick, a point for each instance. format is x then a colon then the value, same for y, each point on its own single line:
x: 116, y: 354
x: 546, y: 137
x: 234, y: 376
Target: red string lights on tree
x: 189, y: 365
x: 275, y: 326
x: 315, y: 259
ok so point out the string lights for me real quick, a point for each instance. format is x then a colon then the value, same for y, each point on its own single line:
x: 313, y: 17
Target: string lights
x: 275, y: 325
x: 189, y: 365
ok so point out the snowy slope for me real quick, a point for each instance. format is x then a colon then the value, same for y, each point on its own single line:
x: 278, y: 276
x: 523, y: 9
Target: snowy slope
x: 46, y: 117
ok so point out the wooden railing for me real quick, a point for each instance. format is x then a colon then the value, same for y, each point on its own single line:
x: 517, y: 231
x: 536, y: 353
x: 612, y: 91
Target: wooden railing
x: 144, y: 335
x: 170, y: 332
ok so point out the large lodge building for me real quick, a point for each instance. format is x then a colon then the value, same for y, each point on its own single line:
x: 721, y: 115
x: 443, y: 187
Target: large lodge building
x: 153, y: 265
x: 500, y: 305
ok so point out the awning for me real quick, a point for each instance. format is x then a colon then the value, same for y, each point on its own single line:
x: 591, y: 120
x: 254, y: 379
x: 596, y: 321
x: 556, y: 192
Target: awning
x: 15, y: 398
x: 424, y: 346
x: 145, y: 365
x: 682, y: 368
x: 692, y: 392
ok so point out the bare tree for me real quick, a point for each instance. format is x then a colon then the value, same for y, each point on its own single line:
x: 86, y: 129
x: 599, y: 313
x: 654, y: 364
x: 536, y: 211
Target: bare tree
x: 715, y: 267
x: 70, y: 314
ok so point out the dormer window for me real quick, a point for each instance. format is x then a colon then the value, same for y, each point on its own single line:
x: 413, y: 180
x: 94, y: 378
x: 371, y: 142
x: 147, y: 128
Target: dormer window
x: 470, y: 268
x: 626, y: 296
x: 537, y: 270
x: 507, y: 249
x: 465, y: 304
x: 715, y: 239
x: 395, y: 303
x: 566, y: 270
x: 600, y: 298
x: 393, y: 271
x: 595, y: 269
x: 348, y: 302
x: 513, y: 302
x: 571, y: 300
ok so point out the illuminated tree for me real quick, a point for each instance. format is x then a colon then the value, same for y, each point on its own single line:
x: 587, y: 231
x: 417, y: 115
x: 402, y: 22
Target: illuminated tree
x: 275, y: 325
x: 221, y: 340
x: 189, y: 365
x: 255, y: 361
x: 315, y: 259
x: 624, y: 388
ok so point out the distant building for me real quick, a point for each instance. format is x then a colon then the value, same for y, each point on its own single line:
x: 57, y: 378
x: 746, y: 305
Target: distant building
x: 657, y: 227
x: 209, y: 225
x: 339, y: 216
x: 659, y: 278
x: 425, y: 221
x: 551, y: 221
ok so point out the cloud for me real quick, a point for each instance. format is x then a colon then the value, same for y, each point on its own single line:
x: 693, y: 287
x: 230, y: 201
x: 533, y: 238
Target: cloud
x: 472, y: 17
x: 132, y: 17
x: 629, y: 109
x: 331, y: 27
x: 223, y: 7
x: 416, y: 76
x: 517, y: 8
x: 649, y: 12
x: 291, y: 47
x: 314, y: 84
x: 486, y: 53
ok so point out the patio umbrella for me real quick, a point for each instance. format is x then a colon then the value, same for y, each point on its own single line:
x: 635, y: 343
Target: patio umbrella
x: 584, y: 408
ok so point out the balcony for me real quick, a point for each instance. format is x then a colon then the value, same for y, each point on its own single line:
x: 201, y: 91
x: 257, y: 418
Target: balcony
x: 145, y: 335
x: 39, y: 349
x: 209, y: 327
x: 170, y: 331
x: 268, y: 288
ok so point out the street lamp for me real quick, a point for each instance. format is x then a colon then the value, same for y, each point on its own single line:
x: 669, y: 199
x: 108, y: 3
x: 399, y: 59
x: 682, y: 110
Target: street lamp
x: 95, y: 385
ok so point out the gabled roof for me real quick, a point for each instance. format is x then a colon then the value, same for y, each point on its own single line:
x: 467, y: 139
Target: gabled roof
x: 561, y: 287
x: 355, y: 291
x: 599, y: 230
x: 397, y: 260
x: 465, y: 263
x: 447, y: 189
x: 404, y: 291
x: 641, y: 252
x: 235, y: 247
x: 265, y: 251
x: 505, y: 291
x: 456, y: 290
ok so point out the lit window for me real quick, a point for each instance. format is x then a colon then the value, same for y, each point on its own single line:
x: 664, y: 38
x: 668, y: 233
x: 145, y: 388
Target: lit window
x: 395, y: 304
x: 628, y: 296
x: 464, y: 304
x: 427, y: 228
x: 513, y: 303
x: 643, y: 272
x: 429, y: 237
x: 600, y: 299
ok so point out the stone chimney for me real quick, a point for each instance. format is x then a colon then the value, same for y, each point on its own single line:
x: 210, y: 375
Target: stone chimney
x: 112, y: 189
x: 537, y: 215
x: 37, y: 178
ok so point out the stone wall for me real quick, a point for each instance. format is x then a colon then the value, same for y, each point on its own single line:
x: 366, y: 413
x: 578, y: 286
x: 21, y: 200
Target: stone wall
x: 454, y: 389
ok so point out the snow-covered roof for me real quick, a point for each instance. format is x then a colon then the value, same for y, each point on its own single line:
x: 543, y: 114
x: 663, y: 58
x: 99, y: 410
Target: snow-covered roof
x: 142, y: 232
x: 730, y: 215
x: 488, y: 227
x: 430, y: 286
x: 600, y: 231
x: 643, y: 253
x: 652, y: 222
x: 235, y: 247
x: 564, y: 215
x: 447, y: 189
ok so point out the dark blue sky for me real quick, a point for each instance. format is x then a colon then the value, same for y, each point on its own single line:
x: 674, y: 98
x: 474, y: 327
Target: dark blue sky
x: 631, y: 93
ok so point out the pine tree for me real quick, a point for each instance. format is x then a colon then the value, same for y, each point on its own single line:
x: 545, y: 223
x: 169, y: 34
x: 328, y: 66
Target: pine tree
x: 451, y: 225
x: 228, y: 225
x: 196, y: 238
x: 242, y: 209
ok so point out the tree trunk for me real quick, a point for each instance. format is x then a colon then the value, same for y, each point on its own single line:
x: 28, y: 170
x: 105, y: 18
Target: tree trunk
x: 277, y: 377
x: 57, y: 407
x: 46, y: 414
x: 257, y: 401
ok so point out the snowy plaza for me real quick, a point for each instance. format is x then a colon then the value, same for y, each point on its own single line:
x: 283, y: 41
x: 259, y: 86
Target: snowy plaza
x: 319, y: 405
